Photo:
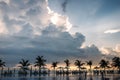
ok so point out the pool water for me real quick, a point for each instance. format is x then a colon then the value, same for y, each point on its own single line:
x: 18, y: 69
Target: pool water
x: 59, y: 77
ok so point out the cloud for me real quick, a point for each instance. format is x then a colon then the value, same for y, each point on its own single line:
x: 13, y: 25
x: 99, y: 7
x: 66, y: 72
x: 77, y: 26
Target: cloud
x: 93, y: 18
x: 52, y: 43
x: 111, y: 51
x: 93, y: 53
x: 64, y: 5
x: 117, y: 48
x: 36, y: 13
x: 59, y: 20
x: 3, y: 29
x: 112, y: 31
x: 31, y: 28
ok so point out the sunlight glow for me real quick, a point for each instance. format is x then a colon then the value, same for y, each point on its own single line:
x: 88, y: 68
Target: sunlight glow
x: 54, y: 18
x: 59, y: 20
x: 112, y: 31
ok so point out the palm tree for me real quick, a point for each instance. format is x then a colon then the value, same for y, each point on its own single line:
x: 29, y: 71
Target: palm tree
x: 67, y: 62
x: 31, y: 70
x: 104, y: 64
x: 2, y: 64
x: 24, y: 65
x: 79, y: 64
x: 40, y: 61
x: 61, y: 70
x: 116, y: 63
x: 89, y: 63
x: 54, y: 65
x: 96, y: 68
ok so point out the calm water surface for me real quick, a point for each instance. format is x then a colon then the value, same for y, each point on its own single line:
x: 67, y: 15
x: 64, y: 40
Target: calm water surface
x: 58, y: 78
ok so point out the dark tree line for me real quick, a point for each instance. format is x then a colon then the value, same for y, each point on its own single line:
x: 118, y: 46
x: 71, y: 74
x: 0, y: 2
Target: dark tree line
x: 40, y: 62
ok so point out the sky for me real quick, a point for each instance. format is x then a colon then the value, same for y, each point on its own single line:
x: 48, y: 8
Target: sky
x: 59, y: 30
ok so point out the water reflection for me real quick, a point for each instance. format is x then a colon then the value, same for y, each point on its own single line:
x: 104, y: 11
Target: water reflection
x: 54, y: 78
x: 23, y: 78
x: 91, y: 78
x: 58, y: 77
x: 40, y: 78
x: 79, y: 78
x: 67, y: 78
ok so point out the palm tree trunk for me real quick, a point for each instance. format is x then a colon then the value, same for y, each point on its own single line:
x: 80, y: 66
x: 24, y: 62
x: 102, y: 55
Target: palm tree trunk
x: 90, y: 73
x: 14, y: 72
x: 8, y: 70
x: 90, y: 70
x: 67, y: 70
x: 31, y: 71
x: 104, y: 71
x: 39, y: 71
x: 54, y: 70
x: 2, y: 71
x: 102, y: 74
x: 79, y: 70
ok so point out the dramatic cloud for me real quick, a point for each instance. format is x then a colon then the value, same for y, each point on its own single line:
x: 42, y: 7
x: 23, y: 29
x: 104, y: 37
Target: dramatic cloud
x: 59, y: 20
x: 35, y: 13
x: 52, y: 43
x: 30, y: 28
x: 92, y: 53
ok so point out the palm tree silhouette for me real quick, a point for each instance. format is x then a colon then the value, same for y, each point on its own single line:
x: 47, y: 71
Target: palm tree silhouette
x: 40, y: 61
x: 116, y: 63
x: 24, y: 65
x: 89, y: 63
x: 79, y: 64
x: 104, y: 64
x: 54, y: 65
x: 67, y: 62
x: 2, y: 64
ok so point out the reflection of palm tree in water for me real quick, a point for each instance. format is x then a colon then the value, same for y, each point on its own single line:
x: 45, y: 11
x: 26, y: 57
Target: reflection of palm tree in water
x: 40, y: 78
x: 91, y: 78
x: 54, y: 78
x: 67, y: 77
x: 80, y: 78
x: 24, y: 78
